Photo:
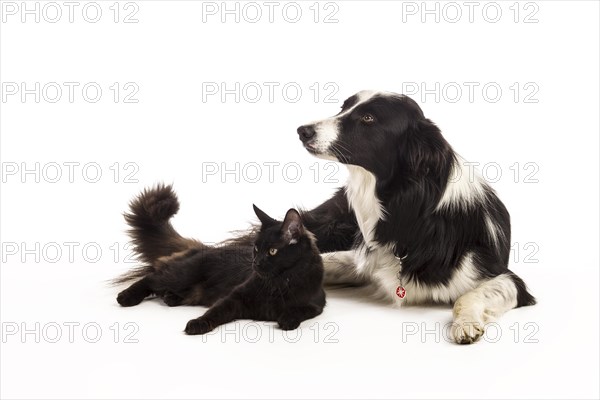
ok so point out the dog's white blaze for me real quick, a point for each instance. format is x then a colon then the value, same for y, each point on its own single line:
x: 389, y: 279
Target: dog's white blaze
x: 327, y: 130
x: 362, y: 198
x: 465, y: 187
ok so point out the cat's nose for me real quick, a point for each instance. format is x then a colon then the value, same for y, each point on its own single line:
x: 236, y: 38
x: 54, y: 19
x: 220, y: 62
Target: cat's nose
x: 306, y: 132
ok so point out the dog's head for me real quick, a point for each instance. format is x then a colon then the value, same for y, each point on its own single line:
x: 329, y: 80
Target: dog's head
x: 370, y: 131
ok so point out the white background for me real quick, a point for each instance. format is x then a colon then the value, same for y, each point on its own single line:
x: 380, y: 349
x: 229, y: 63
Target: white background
x: 172, y: 134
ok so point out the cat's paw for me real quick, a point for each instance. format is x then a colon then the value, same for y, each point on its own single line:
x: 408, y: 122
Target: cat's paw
x: 197, y: 326
x: 288, y: 323
x: 172, y: 300
x: 128, y: 298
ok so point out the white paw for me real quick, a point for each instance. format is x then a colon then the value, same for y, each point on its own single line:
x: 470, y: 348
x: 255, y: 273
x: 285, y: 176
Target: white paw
x: 467, y: 330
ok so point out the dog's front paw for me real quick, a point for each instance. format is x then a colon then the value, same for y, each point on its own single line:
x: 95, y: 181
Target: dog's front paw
x: 288, y: 323
x: 467, y: 330
x: 198, y: 326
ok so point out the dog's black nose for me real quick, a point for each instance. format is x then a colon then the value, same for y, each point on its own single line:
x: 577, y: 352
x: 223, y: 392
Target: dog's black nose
x: 306, y: 132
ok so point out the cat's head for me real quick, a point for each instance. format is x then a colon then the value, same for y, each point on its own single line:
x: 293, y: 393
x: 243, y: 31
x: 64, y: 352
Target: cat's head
x: 280, y: 245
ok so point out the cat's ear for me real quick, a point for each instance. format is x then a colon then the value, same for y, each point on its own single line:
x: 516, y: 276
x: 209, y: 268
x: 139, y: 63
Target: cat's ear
x: 292, y: 227
x: 263, y: 217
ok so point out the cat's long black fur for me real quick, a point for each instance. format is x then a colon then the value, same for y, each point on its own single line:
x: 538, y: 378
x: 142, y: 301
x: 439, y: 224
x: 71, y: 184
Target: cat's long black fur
x: 285, y: 284
x: 238, y: 282
x: 156, y: 241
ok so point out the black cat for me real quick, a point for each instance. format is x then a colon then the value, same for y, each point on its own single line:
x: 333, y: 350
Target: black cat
x: 279, y: 278
x: 285, y: 284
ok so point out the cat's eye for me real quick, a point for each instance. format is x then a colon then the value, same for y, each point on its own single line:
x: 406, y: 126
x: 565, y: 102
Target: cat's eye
x: 256, y: 249
x: 272, y: 251
x: 368, y: 119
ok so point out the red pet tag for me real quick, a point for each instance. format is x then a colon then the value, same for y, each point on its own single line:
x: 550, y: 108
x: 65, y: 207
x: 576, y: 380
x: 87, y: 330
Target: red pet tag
x: 400, y: 292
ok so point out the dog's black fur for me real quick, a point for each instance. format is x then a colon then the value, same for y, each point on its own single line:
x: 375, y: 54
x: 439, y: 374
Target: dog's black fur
x: 389, y: 136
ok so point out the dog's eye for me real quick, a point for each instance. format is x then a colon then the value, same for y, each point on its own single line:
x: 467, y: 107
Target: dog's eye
x: 367, y: 118
x: 272, y: 251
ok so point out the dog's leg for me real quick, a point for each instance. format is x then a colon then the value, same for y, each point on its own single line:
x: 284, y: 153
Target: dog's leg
x: 482, y: 305
x: 333, y: 223
x: 340, y: 269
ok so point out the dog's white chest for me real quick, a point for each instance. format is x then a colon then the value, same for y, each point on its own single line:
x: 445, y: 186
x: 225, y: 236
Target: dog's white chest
x: 363, y: 200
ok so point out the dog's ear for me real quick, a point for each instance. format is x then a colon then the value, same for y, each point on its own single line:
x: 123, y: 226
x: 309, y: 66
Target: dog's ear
x: 263, y: 217
x: 292, y: 227
x: 429, y: 154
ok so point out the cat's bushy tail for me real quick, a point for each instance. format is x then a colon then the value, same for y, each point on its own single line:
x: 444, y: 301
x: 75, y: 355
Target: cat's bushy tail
x: 151, y: 231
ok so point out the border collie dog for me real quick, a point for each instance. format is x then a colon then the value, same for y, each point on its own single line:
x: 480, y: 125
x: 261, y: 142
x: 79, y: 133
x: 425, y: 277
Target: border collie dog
x: 412, y: 223
x: 429, y: 231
